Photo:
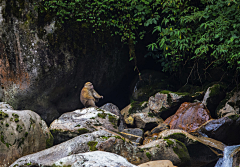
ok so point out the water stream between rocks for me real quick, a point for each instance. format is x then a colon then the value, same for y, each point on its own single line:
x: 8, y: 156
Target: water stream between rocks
x: 227, y: 159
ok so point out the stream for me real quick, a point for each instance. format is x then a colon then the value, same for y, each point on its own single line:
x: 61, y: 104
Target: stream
x: 227, y: 159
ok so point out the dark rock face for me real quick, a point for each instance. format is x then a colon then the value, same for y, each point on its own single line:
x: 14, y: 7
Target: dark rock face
x: 225, y: 129
x: 43, y: 67
x: 189, y: 117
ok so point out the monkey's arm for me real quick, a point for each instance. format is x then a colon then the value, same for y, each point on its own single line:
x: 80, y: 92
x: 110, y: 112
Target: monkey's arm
x: 86, y: 94
x: 96, y: 95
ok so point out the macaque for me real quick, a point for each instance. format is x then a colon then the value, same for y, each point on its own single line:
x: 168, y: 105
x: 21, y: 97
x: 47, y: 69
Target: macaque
x: 89, y: 96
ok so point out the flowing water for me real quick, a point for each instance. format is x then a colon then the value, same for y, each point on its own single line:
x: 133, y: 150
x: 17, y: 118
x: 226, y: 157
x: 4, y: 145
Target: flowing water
x: 227, y: 159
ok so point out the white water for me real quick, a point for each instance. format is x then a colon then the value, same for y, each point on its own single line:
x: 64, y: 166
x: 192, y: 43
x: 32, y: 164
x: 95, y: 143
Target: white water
x: 227, y: 159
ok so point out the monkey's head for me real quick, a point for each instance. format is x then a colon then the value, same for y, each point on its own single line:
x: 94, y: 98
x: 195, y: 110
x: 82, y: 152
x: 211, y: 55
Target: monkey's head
x: 88, y: 85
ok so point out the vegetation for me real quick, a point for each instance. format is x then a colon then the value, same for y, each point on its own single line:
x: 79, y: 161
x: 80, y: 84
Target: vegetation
x: 189, y: 32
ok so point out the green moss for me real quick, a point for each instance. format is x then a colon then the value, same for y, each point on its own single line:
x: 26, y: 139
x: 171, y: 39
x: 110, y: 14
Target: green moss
x: 178, y: 136
x: 136, y: 106
x: 149, y: 155
x: 169, y: 142
x: 182, y: 152
x: 112, y: 119
x: 234, y: 117
x: 104, y: 137
x: 214, y: 90
x: 16, y: 120
x: 82, y: 131
x: 3, y: 115
x: 102, y: 115
x: 97, y: 124
x: 26, y: 134
x: 19, y: 128
x: 150, y: 114
x: 49, y: 141
x: 20, y: 141
x: 7, y: 125
x: 15, y: 115
x: 92, y: 145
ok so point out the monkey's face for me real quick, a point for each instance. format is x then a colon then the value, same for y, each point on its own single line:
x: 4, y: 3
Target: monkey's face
x: 89, y: 85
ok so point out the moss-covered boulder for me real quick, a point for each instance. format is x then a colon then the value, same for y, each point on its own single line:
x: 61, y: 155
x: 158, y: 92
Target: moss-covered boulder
x: 22, y: 132
x: 230, y: 104
x: 167, y: 149
x: 213, y: 96
x: 72, y: 124
x: 165, y: 103
x: 150, y: 83
x: 225, y: 129
x: 202, y: 150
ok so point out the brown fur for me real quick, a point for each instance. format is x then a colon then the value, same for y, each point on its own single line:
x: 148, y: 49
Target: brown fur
x: 89, y: 96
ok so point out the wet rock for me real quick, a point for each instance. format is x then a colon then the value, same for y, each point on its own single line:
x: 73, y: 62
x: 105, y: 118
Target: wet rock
x: 135, y: 135
x: 225, y: 129
x: 22, y: 132
x: 189, y: 117
x: 236, y: 156
x: 213, y: 96
x: 229, y: 105
x: 82, y: 121
x: 167, y: 149
x: 145, y: 121
x: 96, y: 158
x: 159, y: 163
x: 166, y: 103
x: 202, y: 150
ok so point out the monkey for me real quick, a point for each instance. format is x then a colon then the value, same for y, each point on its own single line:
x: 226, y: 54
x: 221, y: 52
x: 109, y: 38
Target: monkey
x: 89, y: 96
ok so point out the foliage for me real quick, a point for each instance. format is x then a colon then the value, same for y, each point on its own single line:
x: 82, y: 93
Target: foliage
x: 194, y: 31
x: 189, y: 32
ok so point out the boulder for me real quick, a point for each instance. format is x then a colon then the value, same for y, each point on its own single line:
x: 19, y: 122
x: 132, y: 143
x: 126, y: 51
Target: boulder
x: 158, y: 163
x: 102, y: 140
x: 82, y: 121
x: 150, y: 83
x: 22, y: 132
x: 213, y: 96
x: 229, y: 105
x: 166, y: 103
x: 202, y: 150
x: 161, y: 127
x: 189, y: 117
x: 135, y: 135
x: 225, y: 129
x: 95, y: 158
x: 167, y: 149
x: 149, y: 138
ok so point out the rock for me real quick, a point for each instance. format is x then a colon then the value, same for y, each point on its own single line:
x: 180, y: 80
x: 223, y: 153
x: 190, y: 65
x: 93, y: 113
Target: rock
x: 102, y: 140
x: 150, y: 138
x: 224, y: 129
x: 189, y: 117
x: 236, y: 157
x: 202, y: 150
x: 166, y: 103
x: 129, y: 121
x: 213, y: 96
x: 167, y: 149
x: 111, y: 108
x: 151, y: 82
x: 135, y: 135
x: 22, y: 133
x: 145, y: 121
x: 160, y: 128
x: 135, y: 107
x: 95, y: 158
x: 82, y: 121
x: 159, y: 163
x: 229, y: 105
